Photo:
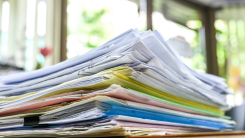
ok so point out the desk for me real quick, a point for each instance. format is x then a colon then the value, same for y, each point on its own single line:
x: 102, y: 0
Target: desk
x: 238, y: 134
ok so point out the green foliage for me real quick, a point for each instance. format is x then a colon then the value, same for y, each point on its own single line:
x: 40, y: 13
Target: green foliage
x: 89, y: 28
x: 222, y: 47
x: 92, y: 26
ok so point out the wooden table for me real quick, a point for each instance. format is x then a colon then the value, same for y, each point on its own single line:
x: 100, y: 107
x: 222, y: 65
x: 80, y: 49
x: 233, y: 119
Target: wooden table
x: 237, y: 134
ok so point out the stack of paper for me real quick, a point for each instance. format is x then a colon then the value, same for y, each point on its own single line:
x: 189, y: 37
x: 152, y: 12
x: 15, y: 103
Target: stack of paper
x: 134, y: 84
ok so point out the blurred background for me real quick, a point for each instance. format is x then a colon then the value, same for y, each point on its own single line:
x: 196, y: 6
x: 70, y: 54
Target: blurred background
x: 208, y: 34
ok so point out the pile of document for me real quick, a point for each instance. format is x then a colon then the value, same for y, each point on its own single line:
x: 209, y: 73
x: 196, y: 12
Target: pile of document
x: 134, y: 84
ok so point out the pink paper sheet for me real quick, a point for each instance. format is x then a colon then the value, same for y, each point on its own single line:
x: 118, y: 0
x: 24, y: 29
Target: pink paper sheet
x: 117, y: 92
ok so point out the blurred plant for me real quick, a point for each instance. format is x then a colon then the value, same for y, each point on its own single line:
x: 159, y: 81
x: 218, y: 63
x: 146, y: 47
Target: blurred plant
x: 92, y: 26
x: 222, y: 47
x: 85, y: 26
x: 230, y: 54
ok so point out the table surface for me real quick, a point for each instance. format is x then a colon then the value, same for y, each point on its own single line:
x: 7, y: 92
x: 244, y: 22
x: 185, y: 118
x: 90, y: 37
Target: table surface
x: 236, y: 134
